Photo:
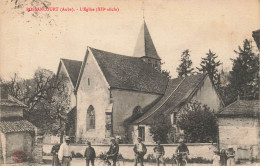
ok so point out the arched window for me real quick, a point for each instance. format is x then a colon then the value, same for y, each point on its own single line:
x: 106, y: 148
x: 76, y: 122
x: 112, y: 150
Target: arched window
x: 90, y: 117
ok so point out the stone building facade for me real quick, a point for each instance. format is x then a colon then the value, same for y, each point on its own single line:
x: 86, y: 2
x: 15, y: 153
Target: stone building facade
x: 16, y: 133
x: 239, y: 127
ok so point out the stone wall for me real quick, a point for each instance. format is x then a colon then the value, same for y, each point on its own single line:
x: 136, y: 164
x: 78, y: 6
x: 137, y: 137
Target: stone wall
x: 203, y: 150
x: 241, y: 133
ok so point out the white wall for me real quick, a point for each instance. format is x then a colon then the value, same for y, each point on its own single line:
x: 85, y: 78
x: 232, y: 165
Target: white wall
x: 124, y: 102
x: 96, y: 94
x: 11, y: 111
x: 208, y: 95
x: 203, y: 150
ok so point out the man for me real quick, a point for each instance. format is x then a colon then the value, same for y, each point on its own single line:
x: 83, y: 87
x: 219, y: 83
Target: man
x: 159, y: 153
x: 113, y: 152
x: 140, y: 150
x: 64, y: 153
x: 54, y: 151
x: 182, y: 151
x: 90, y: 154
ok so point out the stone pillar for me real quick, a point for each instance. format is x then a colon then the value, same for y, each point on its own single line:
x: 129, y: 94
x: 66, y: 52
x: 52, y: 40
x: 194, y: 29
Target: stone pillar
x: 37, y: 149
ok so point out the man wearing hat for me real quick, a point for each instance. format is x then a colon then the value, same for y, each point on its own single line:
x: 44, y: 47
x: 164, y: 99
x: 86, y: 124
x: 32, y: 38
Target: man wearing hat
x: 113, y: 152
x: 64, y: 153
x: 140, y: 150
x: 159, y: 152
x: 182, y: 151
x: 90, y: 154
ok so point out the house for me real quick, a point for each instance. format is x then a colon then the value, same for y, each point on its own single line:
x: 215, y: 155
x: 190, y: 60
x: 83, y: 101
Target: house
x: 16, y: 133
x: 239, y: 126
x: 179, y: 91
x: 112, y: 88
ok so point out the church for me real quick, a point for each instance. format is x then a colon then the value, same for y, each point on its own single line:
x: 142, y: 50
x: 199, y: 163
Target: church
x: 119, y: 95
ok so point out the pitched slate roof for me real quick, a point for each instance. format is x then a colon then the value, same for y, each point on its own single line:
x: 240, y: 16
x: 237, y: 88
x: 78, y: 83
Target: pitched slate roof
x: 130, y: 73
x: 16, y: 126
x: 73, y: 69
x: 241, y: 107
x: 144, y: 45
x: 11, y: 101
x: 178, y: 91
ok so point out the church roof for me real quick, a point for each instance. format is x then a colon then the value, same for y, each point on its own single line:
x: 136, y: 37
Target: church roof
x: 130, y: 73
x: 241, y: 108
x: 178, y: 91
x: 144, y: 45
x: 73, y: 69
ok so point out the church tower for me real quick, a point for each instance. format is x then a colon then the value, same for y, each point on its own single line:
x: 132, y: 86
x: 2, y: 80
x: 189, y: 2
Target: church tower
x: 145, y: 49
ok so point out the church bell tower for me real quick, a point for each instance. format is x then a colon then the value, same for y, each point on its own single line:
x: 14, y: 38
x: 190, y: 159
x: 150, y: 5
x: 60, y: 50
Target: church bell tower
x: 145, y: 49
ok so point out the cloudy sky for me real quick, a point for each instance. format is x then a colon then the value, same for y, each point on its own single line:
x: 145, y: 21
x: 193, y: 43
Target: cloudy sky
x: 28, y: 42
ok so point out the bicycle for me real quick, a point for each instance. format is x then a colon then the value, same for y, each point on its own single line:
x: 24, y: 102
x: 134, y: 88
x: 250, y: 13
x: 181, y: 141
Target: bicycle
x: 104, y: 161
x: 176, y: 159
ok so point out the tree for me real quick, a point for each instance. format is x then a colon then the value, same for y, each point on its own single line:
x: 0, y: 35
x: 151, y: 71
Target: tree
x: 244, y: 75
x: 47, y: 99
x: 198, y: 123
x: 165, y: 72
x: 185, y: 68
x: 160, y: 128
x: 210, y: 65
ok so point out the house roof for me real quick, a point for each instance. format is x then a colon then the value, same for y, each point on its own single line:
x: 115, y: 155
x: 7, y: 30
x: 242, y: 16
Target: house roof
x: 144, y: 45
x: 178, y: 91
x: 241, y: 107
x: 73, y: 69
x: 11, y: 101
x: 130, y: 73
x: 15, y: 126
x: 256, y: 36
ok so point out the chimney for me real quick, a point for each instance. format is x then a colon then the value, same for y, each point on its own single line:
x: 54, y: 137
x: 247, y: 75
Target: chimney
x: 4, y: 91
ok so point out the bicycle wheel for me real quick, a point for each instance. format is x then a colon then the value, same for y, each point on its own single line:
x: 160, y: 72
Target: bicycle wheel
x: 174, y: 162
x: 184, y: 162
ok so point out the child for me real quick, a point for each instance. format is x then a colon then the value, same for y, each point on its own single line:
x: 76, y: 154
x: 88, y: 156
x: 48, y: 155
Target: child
x: 90, y: 154
x: 223, y: 157
x: 216, y: 158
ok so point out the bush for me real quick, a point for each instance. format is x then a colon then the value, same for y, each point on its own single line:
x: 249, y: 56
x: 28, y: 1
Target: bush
x: 76, y: 155
x: 199, y: 160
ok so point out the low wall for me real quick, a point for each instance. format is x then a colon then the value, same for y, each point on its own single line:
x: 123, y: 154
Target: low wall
x: 204, y: 150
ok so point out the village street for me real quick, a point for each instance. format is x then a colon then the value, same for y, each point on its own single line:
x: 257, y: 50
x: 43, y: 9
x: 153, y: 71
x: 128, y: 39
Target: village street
x: 81, y: 162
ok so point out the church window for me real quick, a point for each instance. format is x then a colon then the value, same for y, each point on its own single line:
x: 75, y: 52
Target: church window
x: 141, y: 132
x: 90, y: 117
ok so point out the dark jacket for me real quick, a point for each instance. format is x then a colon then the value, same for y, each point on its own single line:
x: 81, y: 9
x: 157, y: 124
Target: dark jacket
x: 55, y: 149
x: 159, y: 150
x: 182, y: 148
x: 113, y: 150
x: 140, y: 153
x: 90, y: 153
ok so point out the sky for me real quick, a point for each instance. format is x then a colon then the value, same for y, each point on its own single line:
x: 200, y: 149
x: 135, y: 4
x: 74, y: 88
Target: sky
x: 28, y: 42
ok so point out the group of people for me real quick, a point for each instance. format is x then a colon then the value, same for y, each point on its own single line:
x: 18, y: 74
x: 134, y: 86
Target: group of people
x: 62, y: 155
x: 224, y: 157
